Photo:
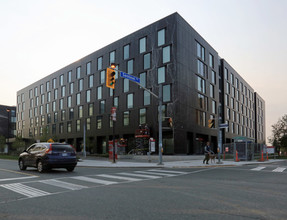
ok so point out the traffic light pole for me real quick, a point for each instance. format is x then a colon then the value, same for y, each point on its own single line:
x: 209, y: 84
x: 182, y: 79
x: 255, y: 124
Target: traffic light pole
x: 219, y: 134
x: 114, y: 131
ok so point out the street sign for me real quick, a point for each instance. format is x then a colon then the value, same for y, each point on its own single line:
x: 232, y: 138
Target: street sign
x: 130, y: 77
x: 223, y: 125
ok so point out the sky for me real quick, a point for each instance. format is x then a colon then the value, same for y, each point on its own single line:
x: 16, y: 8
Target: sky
x: 39, y: 37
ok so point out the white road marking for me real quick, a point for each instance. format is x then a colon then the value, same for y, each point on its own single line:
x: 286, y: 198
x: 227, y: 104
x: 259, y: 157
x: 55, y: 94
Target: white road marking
x: 279, y: 169
x: 169, y: 171
x: 18, y: 178
x: 62, y: 184
x: 93, y: 180
x: 141, y: 175
x: 25, y: 190
x: 119, y: 177
x: 258, y: 168
x: 156, y: 173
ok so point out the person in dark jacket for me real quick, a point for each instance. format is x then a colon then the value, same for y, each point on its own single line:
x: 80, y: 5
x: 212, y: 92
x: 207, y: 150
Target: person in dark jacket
x: 206, y: 152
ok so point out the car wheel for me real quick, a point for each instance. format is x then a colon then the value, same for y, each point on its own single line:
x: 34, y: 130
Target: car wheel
x: 21, y: 165
x: 70, y: 169
x: 40, y: 167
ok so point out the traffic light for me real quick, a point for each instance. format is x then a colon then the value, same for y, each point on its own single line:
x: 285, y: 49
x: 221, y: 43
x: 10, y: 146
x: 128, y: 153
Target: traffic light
x: 110, y: 79
x: 211, y: 123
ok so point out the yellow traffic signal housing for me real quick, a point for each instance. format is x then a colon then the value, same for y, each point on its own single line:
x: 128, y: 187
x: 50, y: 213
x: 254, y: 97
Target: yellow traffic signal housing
x: 211, y: 123
x: 110, y: 79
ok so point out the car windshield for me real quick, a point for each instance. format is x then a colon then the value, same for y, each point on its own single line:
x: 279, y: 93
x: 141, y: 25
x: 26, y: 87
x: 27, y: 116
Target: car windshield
x: 62, y: 148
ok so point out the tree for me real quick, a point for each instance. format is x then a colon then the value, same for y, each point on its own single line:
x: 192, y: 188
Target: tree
x: 279, y: 134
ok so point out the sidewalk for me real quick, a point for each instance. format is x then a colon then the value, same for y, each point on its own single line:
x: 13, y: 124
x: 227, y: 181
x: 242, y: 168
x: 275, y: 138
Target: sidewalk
x: 168, y: 162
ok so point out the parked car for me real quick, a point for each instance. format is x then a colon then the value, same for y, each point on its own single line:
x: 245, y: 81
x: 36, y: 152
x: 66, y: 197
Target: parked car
x: 45, y: 156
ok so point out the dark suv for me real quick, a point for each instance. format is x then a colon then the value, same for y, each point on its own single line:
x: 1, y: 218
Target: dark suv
x: 46, y: 156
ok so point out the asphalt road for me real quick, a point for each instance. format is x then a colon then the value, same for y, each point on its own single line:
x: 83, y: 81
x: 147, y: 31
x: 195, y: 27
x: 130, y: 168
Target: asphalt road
x: 246, y: 192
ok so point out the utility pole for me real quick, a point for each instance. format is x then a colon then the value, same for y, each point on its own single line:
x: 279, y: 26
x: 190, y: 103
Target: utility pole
x: 219, y: 133
x: 160, y: 125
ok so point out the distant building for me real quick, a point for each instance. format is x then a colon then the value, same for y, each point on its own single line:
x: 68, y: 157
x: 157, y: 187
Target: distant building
x: 195, y: 80
x: 7, y: 121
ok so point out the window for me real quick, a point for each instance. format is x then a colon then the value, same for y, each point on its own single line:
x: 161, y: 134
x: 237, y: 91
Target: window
x: 116, y: 102
x: 161, y: 75
x: 71, y: 88
x: 91, y: 81
x: 88, y: 95
x: 126, y: 51
x: 102, y: 76
x: 200, y: 118
x: 226, y: 73
x: 112, y: 57
x: 69, y: 102
x: 142, y: 116
x: 91, y: 109
x: 61, y: 104
x: 126, y: 85
x: 100, y: 92
x: 88, y: 124
x: 201, y: 68
x: 213, y: 107
x: 146, y: 98
x: 61, y: 128
x: 100, y: 63
x: 78, y: 125
x: 161, y: 37
x: 99, y: 122
x: 78, y: 72
x: 147, y: 61
x: 166, y: 54
x: 201, y: 84
x: 78, y: 101
x: 211, y: 91
x: 47, y: 86
x: 130, y: 66
x: 213, y: 77
x: 54, y: 106
x: 71, y: 114
x: 143, y: 79
x: 200, y: 51
x: 126, y: 118
x: 80, y: 85
x: 102, y: 106
x: 202, y: 102
x: 130, y: 100
x: 54, y: 81
x: 69, y: 126
x: 88, y: 66
x: 47, y: 108
x: 63, y: 91
x: 55, y: 94
x: 142, y: 45
x: 61, y: 79
x: 166, y: 93
x: 80, y: 111
x: 69, y: 79
x: 211, y: 60
x: 41, y: 89
x: 163, y: 110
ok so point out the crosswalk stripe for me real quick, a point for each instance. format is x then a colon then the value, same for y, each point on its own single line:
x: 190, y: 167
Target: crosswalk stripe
x: 258, y: 168
x: 279, y: 169
x: 62, y: 184
x: 93, y: 180
x: 168, y: 171
x: 25, y: 190
x: 119, y: 177
x: 157, y: 173
x: 141, y: 175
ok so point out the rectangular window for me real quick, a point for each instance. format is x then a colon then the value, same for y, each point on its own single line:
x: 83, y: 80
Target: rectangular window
x: 161, y: 75
x: 61, y: 104
x: 126, y: 118
x: 226, y: 73
x: 202, y: 102
x: 116, y: 102
x: 63, y: 115
x: 163, y: 110
x: 126, y: 51
x: 102, y: 106
x: 61, y: 128
x: 80, y: 111
x: 91, y: 109
x: 213, y: 77
x: 47, y: 86
x: 88, y: 95
x: 142, y: 45
x: 126, y: 85
x: 166, y: 54
x: 100, y: 92
x: 88, y: 124
x: 112, y: 57
x: 201, y: 68
x: 71, y: 114
x: 142, y: 116
x: 69, y: 79
x: 200, y: 118
x: 55, y: 94
x: 54, y: 106
x: 69, y: 102
x: 201, y: 85
x: 147, y: 61
x: 146, y: 98
x: 78, y: 101
x: 71, y: 88
x: 91, y: 81
x: 61, y: 79
x: 161, y: 37
x: 211, y: 60
x: 130, y: 66
x: 130, y: 100
x: 102, y: 76
x: 78, y: 125
x: 78, y: 72
x: 143, y: 79
x: 99, y: 122
x: 200, y: 51
x: 88, y: 66
x: 100, y: 63
x: 54, y: 81
x: 81, y: 85
x: 213, y: 107
x: 69, y: 126
x: 166, y: 93
x: 41, y: 89
x: 211, y: 91
x: 63, y: 91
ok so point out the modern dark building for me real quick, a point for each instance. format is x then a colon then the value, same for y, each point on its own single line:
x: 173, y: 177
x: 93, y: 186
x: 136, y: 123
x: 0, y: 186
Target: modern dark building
x: 7, y: 122
x: 168, y: 52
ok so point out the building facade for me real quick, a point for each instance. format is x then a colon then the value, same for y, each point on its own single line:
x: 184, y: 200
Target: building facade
x: 7, y: 122
x: 168, y: 52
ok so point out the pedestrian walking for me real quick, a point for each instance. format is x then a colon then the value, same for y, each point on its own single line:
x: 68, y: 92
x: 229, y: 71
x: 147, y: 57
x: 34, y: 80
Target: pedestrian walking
x: 206, y: 152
